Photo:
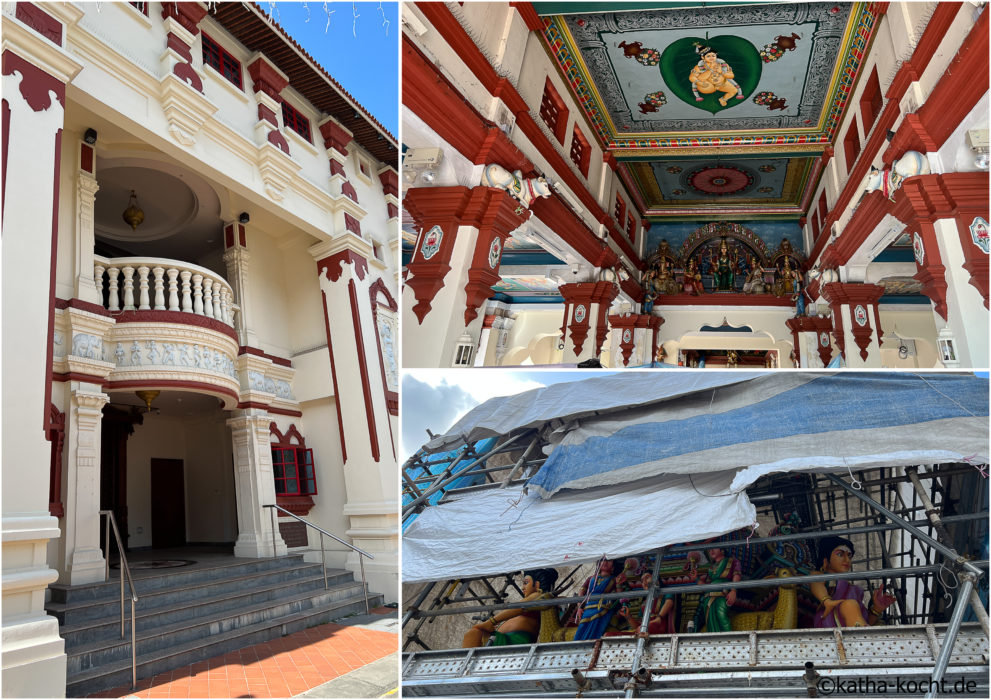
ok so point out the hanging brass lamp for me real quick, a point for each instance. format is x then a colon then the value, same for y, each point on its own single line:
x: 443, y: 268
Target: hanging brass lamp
x: 133, y: 215
x: 148, y: 395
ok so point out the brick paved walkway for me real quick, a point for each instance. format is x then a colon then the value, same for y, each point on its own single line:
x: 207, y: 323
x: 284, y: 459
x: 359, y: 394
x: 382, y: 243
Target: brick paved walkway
x: 279, y: 668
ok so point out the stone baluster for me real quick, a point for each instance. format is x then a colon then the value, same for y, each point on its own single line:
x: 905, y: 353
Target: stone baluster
x: 187, y: 301
x: 159, y: 272
x: 225, y: 309
x: 173, y: 289
x: 98, y: 280
x: 198, y: 294
x: 208, y: 297
x: 143, y: 301
x: 113, y: 302
x: 128, y: 288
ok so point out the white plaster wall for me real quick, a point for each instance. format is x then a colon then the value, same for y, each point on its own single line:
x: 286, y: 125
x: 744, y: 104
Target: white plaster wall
x: 268, y: 294
x: 913, y: 323
x: 211, y: 509
x: 535, y: 335
x: 159, y: 437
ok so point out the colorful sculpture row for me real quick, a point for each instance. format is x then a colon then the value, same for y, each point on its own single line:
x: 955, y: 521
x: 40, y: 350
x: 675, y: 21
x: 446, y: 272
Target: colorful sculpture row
x: 839, y: 603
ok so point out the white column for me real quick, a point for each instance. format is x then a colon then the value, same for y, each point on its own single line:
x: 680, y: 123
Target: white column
x: 83, y: 557
x: 370, y: 465
x: 967, y: 317
x: 255, y: 485
x: 33, y: 654
x: 237, y: 259
x: 85, y: 239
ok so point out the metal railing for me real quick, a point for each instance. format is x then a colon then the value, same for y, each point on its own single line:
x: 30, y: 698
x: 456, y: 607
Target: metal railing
x: 323, y: 555
x: 125, y: 570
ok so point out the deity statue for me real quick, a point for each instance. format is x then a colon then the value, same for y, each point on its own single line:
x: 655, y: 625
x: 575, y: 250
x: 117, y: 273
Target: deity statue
x: 692, y: 280
x: 754, y: 283
x: 724, y: 269
x: 732, y: 358
x: 713, y: 74
x: 517, y: 625
x: 664, y: 282
x: 596, y: 613
x: 841, y: 603
x: 712, y: 614
x: 784, y: 279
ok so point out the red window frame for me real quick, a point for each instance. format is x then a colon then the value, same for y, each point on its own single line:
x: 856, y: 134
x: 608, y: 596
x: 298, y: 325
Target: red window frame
x: 631, y: 227
x: 581, y: 152
x: 554, y: 112
x: 871, y: 100
x: 815, y: 226
x: 293, y: 469
x: 141, y: 7
x: 620, y: 210
x: 295, y: 120
x: 851, y: 144
x: 222, y: 61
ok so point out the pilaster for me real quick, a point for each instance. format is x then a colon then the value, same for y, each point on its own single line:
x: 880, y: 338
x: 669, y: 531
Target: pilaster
x: 254, y: 483
x: 237, y: 259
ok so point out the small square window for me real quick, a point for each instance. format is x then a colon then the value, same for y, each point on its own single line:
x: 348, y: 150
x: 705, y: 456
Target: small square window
x: 215, y: 56
x: 554, y: 112
x: 580, y: 151
x: 294, y: 120
x: 293, y: 471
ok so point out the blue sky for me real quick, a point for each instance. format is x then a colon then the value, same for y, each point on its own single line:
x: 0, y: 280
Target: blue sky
x: 361, y: 53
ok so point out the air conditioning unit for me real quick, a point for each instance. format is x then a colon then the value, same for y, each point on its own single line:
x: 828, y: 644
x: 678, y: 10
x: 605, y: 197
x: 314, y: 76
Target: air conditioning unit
x: 422, y: 157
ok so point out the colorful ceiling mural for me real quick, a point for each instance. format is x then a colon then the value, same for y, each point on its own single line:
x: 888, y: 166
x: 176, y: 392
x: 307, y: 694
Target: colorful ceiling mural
x: 742, y: 88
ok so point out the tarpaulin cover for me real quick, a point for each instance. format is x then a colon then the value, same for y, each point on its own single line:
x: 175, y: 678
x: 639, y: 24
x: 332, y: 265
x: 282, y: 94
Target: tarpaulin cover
x: 570, y: 400
x: 493, y: 532
x: 783, y: 421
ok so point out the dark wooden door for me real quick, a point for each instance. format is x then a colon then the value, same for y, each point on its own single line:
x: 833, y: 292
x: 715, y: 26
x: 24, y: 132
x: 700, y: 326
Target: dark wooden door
x: 168, y: 504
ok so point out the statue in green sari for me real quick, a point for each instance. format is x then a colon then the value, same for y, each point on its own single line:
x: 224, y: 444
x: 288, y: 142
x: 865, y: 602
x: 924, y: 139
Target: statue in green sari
x: 712, y: 614
x: 724, y: 269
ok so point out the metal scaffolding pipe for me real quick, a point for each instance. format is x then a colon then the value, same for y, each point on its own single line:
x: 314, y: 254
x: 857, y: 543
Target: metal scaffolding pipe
x: 943, y: 660
x: 948, y: 552
x: 644, y: 623
x: 707, y: 587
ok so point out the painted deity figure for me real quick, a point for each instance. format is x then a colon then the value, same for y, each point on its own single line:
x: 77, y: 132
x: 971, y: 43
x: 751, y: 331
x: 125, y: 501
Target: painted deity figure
x: 841, y: 603
x: 517, y: 625
x: 754, y: 283
x: 692, y: 281
x: 712, y: 614
x: 713, y: 74
x: 662, y: 610
x: 784, y: 279
x: 596, y: 613
x: 724, y: 269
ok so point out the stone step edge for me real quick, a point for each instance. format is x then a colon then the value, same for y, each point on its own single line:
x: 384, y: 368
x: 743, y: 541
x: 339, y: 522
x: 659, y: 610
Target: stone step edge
x: 148, y: 613
x: 172, y: 628
x: 81, y: 605
x: 180, y: 571
x: 107, y: 669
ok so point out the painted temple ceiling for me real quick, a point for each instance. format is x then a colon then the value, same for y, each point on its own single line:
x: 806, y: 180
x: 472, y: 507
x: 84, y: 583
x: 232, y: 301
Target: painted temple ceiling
x: 712, y: 110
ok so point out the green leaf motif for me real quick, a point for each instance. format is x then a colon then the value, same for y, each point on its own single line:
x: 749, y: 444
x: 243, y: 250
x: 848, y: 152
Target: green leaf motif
x: 679, y: 58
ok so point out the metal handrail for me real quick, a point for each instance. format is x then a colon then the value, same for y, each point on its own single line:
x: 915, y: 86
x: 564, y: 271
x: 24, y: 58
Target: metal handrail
x: 125, y: 571
x: 323, y: 555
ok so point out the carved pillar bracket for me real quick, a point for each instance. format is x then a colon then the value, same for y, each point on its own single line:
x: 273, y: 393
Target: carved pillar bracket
x: 635, y: 329
x: 920, y: 202
x: 181, y: 20
x: 268, y: 83
x: 820, y: 327
x: 439, y: 212
x: 579, y: 297
x: 862, y: 300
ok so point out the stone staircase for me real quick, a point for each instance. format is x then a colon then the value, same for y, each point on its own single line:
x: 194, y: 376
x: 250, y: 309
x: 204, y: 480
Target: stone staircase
x: 187, y: 615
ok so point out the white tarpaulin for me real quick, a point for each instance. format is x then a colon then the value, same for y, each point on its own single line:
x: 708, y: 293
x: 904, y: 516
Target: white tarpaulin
x: 495, y: 531
x: 571, y: 400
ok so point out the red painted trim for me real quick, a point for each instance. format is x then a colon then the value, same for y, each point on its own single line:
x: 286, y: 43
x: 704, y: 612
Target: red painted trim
x: 529, y: 15
x: 50, y: 350
x: 169, y: 384
x: 86, y: 157
x: 6, y: 139
x: 182, y: 317
x: 269, y: 409
x: 229, y: 236
x: 852, y: 295
x: 241, y: 235
x: 248, y: 350
x: 366, y: 387
x: 391, y: 397
x: 78, y: 377
x: 56, y: 435
x: 720, y: 299
x: 333, y: 376
x: 432, y: 97
x: 82, y: 306
x: 334, y: 265
x: 40, y: 21
x: 931, y: 38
